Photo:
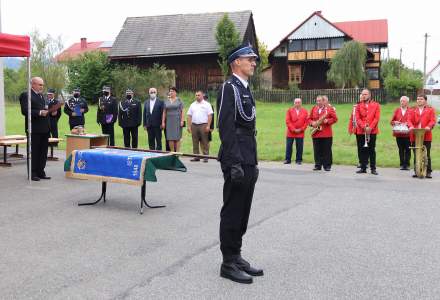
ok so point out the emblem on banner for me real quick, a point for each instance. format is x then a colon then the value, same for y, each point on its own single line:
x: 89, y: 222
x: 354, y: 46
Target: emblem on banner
x: 81, y: 164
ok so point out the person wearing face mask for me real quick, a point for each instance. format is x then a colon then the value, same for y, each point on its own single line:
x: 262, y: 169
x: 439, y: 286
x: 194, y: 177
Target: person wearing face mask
x: 130, y: 117
x: 107, y: 113
x: 153, y: 110
x: 55, y: 115
x: 75, y: 108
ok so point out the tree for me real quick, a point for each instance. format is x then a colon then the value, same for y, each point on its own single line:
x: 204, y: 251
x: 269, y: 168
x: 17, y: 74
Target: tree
x: 390, y: 67
x: 43, y: 62
x: 347, y: 66
x: 90, y: 71
x: 256, y: 80
x: 227, y: 39
x: 128, y: 76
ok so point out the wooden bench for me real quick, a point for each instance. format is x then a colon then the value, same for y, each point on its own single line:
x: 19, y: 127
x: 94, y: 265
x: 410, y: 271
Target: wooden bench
x: 8, y: 143
x: 11, y: 140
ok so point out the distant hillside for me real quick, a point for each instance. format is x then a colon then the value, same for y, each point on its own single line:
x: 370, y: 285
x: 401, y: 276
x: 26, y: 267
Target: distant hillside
x: 12, y: 62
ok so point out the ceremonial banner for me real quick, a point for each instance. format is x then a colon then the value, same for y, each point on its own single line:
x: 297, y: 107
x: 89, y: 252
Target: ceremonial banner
x: 116, y: 165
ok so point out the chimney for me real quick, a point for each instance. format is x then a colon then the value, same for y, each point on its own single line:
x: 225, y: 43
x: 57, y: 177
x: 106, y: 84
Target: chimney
x: 83, y: 43
x: 319, y: 12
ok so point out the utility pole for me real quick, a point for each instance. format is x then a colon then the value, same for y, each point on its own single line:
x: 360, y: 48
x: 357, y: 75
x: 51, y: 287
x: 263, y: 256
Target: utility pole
x: 400, y: 63
x: 424, y: 60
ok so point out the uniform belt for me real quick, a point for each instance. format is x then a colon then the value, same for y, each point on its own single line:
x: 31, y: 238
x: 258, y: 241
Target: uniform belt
x: 245, y: 131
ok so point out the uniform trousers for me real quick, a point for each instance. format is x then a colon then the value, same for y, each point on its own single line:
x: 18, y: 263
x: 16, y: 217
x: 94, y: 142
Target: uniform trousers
x: 234, y: 215
x: 322, y: 150
x: 133, y: 132
x: 367, y: 153
x: 110, y: 130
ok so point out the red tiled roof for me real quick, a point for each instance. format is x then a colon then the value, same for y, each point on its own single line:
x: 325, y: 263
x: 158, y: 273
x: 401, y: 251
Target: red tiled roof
x: 368, y: 32
x: 76, y: 49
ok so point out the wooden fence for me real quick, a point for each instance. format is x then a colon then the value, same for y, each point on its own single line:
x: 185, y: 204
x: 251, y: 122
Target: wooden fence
x: 336, y: 96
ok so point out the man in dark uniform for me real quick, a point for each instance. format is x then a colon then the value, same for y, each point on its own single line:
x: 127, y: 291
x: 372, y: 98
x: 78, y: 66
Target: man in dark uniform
x: 130, y: 117
x: 75, y: 108
x: 238, y: 158
x: 39, y: 127
x: 55, y: 115
x: 107, y: 113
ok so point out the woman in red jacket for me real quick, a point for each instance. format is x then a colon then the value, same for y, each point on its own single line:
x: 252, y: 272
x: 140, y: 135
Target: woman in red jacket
x: 423, y: 116
x: 296, y: 122
x: 400, y: 125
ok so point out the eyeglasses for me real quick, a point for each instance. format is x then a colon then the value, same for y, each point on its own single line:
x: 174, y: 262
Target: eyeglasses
x: 153, y: 93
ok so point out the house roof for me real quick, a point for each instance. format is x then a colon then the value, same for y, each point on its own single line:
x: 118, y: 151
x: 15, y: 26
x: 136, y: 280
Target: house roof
x: 433, y: 69
x: 76, y: 49
x: 168, y: 35
x: 315, y: 14
x: 368, y: 31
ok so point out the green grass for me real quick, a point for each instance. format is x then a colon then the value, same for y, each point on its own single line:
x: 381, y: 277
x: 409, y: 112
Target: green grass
x: 271, y: 134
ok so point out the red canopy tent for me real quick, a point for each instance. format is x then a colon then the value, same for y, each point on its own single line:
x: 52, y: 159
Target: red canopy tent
x: 20, y: 46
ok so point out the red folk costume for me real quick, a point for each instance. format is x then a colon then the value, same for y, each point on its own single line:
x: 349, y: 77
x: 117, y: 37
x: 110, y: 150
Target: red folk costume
x: 401, y: 117
x: 329, y: 120
x: 367, y: 113
x: 422, y: 118
x: 296, y: 120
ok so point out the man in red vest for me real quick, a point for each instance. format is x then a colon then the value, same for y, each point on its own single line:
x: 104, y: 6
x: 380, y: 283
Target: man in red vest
x: 423, y: 116
x: 296, y: 122
x: 324, y: 114
x: 367, y: 120
x: 399, y: 123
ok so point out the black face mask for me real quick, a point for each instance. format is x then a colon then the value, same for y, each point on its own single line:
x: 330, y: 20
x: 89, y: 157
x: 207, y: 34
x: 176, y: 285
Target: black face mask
x: 106, y: 93
x: 128, y: 97
x: 76, y: 95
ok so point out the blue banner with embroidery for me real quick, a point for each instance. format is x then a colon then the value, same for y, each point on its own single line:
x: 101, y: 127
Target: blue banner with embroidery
x: 125, y: 165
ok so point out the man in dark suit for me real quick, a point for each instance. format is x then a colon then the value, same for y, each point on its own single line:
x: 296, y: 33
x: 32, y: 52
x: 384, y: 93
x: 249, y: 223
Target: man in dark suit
x: 39, y: 127
x: 238, y: 159
x: 107, y: 113
x: 54, y: 116
x: 153, y: 109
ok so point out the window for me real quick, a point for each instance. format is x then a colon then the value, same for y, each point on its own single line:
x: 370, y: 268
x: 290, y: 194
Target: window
x: 323, y: 44
x: 309, y: 45
x: 283, y: 50
x: 336, y: 43
x: 295, y: 74
x: 295, y: 45
x: 373, y: 74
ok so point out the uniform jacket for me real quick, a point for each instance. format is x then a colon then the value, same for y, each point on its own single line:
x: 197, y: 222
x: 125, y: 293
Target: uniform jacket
x: 296, y: 120
x: 130, y: 113
x: 69, y: 108
x: 367, y: 113
x: 331, y: 118
x: 397, y: 116
x: 236, y: 124
x: 153, y: 119
x: 426, y: 119
x: 40, y: 124
x: 107, y: 107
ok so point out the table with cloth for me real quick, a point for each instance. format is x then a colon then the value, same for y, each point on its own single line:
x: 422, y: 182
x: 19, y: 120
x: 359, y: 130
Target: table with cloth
x: 120, y: 166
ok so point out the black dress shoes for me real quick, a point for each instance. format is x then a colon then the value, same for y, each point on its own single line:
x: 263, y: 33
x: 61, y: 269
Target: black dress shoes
x: 361, y: 171
x: 327, y: 169
x: 374, y: 172
x: 286, y: 162
x: 245, y: 266
x: 317, y: 168
x: 44, y: 177
x: 35, y: 178
x: 428, y: 175
x: 232, y: 271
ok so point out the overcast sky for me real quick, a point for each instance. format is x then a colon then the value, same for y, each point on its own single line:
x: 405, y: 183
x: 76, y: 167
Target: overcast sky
x: 102, y: 20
